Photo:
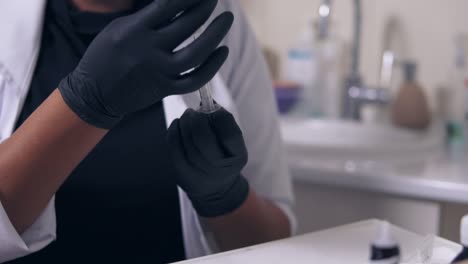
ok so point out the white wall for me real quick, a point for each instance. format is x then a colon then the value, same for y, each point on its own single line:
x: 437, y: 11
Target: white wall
x: 430, y: 25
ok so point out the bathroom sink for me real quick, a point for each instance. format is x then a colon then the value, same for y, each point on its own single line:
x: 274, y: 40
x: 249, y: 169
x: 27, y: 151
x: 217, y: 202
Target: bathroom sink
x: 338, y: 140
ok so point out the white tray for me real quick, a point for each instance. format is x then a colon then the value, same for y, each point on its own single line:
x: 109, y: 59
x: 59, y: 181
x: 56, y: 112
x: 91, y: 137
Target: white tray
x: 347, y: 244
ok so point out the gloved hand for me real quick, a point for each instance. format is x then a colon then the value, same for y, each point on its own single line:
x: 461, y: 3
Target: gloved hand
x: 131, y: 64
x: 209, y: 153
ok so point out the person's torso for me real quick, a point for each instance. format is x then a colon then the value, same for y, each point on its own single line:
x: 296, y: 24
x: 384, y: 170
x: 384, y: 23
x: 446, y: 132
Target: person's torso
x: 121, y: 203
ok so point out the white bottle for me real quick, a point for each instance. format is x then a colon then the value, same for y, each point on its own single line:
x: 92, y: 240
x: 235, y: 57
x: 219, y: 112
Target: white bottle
x: 463, y: 256
x: 330, y: 75
x: 461, y: 56
x: 301, y: 68
x: 457, y: 103
x: 385, y: 249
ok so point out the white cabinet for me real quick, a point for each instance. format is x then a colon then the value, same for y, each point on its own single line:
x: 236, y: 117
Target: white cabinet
x: 320, y: 206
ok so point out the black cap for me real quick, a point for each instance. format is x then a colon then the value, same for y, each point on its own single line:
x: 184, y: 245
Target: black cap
x: 409, y: 70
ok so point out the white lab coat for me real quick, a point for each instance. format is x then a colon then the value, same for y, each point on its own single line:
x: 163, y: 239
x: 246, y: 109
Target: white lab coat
x: 243, y: 87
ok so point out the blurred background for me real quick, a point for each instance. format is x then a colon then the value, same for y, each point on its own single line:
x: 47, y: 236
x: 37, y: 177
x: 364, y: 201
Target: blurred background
x: 373, y: 97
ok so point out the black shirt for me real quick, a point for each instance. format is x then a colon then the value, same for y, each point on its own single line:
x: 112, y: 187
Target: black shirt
x: 120, y: 205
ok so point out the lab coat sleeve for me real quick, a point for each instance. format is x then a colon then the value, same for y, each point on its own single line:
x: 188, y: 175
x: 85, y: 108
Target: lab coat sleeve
x: 39, y: 235
x: 249, y: 82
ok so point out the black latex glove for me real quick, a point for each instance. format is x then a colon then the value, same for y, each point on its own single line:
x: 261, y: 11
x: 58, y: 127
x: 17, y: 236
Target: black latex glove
x: 209, y: 153
x: 131, y: 64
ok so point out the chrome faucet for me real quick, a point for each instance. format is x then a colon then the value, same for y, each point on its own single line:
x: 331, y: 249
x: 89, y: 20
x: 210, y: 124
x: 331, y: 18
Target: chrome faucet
x: 356, y: 94
x: 393, y: 51
x: 324, y: 19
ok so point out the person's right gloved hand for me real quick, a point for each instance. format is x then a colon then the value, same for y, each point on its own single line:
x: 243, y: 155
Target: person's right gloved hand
x: 132, y: 64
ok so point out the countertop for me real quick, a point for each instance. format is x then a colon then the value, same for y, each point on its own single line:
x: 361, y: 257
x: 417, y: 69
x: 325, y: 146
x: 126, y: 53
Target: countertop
x: 347, y: 244
x: 433, y: 177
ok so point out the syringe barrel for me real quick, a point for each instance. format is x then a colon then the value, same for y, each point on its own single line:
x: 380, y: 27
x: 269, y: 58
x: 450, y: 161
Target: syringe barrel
x: 207, y: 104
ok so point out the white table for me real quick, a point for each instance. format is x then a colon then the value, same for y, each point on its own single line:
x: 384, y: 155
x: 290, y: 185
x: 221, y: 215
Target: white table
x: 347, y: 244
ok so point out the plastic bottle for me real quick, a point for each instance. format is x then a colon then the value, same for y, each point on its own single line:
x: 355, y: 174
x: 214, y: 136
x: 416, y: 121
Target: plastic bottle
x: 463, y: 256
x: 461, y: 52
x: 385, y: 249
x: 330, y: 74
x: 456, y: 112
x: 301, y: 68
x: 316, y: 63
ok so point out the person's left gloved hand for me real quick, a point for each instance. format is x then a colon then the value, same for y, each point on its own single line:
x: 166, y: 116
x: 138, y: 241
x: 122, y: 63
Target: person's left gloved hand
x: 209, y: 153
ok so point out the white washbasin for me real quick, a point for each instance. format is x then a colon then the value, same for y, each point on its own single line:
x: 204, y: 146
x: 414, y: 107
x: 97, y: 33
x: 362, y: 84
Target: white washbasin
x: 352, y: 141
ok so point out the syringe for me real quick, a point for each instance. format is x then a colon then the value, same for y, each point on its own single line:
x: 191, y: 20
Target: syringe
x: 207, y: 104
